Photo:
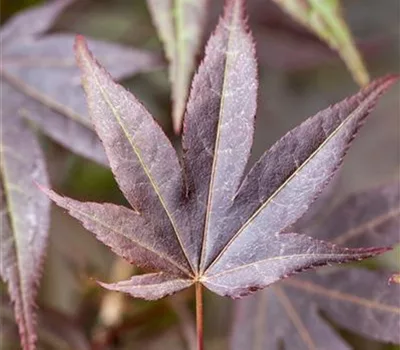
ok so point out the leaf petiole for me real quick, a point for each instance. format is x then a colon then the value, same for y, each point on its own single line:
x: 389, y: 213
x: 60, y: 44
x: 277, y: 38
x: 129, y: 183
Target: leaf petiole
x: 199, y: 316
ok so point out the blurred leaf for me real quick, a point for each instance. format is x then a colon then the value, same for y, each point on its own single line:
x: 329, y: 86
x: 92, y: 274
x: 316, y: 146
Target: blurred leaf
x: 180, y: 25
x: 55, y: 330
x: 324, y: 18
x: 24, y: 211
x: 42, y: 67
x: 186, y: 321
x: 169, y: 339
x: 368, y: 218
x: 356, y: 299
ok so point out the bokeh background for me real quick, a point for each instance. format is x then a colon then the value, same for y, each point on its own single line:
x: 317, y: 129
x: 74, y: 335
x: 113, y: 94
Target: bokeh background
x: 298, y: 76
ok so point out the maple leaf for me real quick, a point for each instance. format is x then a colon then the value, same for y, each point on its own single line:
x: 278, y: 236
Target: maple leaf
x: 324, y: 18
x: 353, y: 298
x: 180, y: 26
x: 42, y: 67
x: 25, y: 212
x: 201, y: 223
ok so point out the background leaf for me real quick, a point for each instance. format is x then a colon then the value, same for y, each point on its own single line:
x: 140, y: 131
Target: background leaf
x: 57, y: 105
x: 324, y: 18
x: 354, y: 298
x: 364, y: 219
x: 180, y: 25
x: 24, y: 212
x: 55, y: 330
x: 290, y: 312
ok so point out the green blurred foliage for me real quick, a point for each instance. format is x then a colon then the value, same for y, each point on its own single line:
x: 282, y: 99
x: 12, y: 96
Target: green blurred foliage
x: 8, y: 8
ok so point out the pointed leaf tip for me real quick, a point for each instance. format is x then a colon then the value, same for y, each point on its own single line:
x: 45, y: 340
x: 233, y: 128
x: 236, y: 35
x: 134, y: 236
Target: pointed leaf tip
x: 42, y: 187
x: 84, y: 57
x: 80, y: 42
x: 81, y: 48
x: 236, y: 9
x: 394, y: 279
x: 374, y: 251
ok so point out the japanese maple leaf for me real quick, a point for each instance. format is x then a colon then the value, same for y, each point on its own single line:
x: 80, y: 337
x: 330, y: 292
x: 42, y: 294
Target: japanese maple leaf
x: 41, y: 67
x: 354, y: 298
x: 200, y: 222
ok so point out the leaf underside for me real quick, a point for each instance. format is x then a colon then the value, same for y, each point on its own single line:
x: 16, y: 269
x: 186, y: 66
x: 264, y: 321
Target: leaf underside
x: 206, y: 222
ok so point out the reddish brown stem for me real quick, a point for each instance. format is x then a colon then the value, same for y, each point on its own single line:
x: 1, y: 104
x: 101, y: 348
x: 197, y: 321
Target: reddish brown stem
x: 199, y: 316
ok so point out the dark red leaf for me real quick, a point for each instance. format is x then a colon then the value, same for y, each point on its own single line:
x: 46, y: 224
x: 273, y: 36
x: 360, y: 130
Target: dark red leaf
x: 218, y: 128
x: 202, y: 223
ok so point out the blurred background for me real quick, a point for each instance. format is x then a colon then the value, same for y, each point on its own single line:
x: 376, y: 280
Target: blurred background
x: 299, y: 76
